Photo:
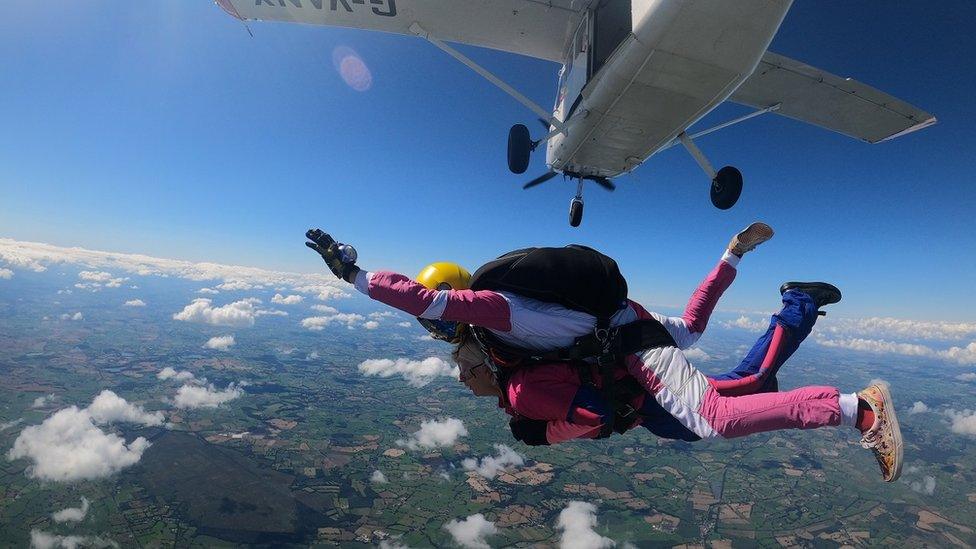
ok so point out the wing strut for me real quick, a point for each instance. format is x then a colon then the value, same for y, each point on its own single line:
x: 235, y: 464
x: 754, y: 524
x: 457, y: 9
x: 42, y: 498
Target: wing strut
x: 543, y: 113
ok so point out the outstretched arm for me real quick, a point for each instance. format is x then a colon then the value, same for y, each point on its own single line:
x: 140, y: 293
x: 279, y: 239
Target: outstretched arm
x: 481, y: 308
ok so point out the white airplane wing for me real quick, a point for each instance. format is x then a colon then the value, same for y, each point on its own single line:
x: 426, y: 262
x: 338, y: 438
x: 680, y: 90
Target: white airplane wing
x: 840, y: 104
x: 536, y: 28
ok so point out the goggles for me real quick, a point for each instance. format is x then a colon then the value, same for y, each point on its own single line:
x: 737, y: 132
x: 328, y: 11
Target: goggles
x: 446, y: 330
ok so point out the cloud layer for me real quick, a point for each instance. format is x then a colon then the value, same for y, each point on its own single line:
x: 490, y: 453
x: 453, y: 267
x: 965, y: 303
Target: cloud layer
x: 38, y: 257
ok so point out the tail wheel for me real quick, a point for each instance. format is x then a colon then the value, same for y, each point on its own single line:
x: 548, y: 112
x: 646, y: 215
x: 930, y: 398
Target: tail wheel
x: 575, y: 212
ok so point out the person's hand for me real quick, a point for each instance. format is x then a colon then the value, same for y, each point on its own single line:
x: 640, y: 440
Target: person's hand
x: 340, y: 258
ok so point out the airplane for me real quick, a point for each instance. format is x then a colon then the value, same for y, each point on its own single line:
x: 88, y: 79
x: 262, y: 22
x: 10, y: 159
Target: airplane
x: 636, y: 74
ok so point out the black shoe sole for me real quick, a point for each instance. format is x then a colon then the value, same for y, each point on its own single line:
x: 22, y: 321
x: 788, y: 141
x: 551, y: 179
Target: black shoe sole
x: 821, y: 292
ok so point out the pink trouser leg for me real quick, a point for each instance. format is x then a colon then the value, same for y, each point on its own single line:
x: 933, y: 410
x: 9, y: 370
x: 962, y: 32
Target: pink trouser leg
x: 803, y: 408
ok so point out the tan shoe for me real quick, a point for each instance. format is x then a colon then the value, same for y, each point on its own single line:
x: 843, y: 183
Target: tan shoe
x: 884, y: 437
x: 749, y: 238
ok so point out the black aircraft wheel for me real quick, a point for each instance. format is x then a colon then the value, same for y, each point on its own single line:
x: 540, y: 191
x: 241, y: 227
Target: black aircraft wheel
x: 726, y: 188
x: 575, y: 212
x: 519, y: 147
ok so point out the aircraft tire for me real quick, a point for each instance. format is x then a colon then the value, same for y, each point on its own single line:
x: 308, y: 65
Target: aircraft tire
x: 726, y: 188
x: 575, y: 213
x: 519, y: 148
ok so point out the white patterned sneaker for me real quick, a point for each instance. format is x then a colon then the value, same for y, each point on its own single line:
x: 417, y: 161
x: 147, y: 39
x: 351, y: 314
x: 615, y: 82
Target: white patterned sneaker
x: 884, y: 437
x: 749, y: 238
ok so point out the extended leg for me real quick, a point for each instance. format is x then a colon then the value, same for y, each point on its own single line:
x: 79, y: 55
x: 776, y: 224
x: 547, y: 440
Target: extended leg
x: 787, y: 329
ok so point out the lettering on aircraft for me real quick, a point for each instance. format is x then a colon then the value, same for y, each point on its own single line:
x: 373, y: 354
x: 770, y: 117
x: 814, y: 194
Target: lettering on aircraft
x: 386, y: 8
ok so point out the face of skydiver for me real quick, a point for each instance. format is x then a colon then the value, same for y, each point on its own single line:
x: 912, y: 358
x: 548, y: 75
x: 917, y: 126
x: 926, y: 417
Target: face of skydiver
x: 475, y: 373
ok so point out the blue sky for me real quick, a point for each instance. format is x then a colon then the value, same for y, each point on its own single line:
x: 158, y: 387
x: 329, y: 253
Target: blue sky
x: 164, y: 128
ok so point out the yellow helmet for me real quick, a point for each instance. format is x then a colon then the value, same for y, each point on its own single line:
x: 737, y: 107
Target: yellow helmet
x: 444, y: 275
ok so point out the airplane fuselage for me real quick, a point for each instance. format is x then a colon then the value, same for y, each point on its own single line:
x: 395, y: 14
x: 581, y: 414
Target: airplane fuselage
x: 641, y: 97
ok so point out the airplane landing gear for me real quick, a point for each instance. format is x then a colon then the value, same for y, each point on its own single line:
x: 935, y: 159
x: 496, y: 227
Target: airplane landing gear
x: 726, y: 188
x: 726, y: 183
x: 520, y: 146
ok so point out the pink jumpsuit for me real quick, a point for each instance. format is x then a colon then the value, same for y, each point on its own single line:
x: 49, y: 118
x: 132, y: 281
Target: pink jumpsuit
x: 707, y: 407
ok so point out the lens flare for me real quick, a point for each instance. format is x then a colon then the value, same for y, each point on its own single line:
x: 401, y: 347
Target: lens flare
x: 352, y: 68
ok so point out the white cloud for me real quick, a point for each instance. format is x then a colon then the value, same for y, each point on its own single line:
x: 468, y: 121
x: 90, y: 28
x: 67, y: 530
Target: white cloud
x: 95, y: 276
x: 238, y: 286
x: 371, y: 325
x: 577, y: 522
x: 918, y: 407
x: 69, y: 446
x: 696, y: 354
x: 745, y: 323
x: 378, y: 477
x: 387, y: 544
x: 170, y: 373
x: 95, y: 280
x: 208, y: 291
x: 969, y: 376
x: 963, y: 422
x: 220, y: 343
x: 12, y: 423
x: 205, y: 396
x: 962, y: 355
x: 109, y: 407
x: 6, y: 274
x: 490, y: 466
x: 435, y: 434
x: 323, y: 292
x: 470, y: 533
x: 75, y: 316
x: 43, y: 401
x: 72, y: 514
x: 43, y: 540
x: 135, y: 303
x: 925, y: 486
x: 270, y: 312
x: 404, y: 324
x: 289, y: 300
x: 324, y: 309
x: 381, y: 315
x: 319, y: 323
x: 417, y: 372
x: 237, y: 314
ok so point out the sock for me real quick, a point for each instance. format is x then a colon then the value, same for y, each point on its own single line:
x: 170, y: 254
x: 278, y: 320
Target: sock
x: 731, y: 258
x: 865, y: 415
x: 848, y: 409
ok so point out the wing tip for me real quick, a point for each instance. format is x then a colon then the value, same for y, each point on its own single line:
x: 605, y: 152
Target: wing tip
x: 229, y: 8
x: 931, y: 120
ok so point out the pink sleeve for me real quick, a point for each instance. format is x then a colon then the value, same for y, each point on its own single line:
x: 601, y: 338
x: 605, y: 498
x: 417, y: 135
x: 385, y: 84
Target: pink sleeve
x: 706, y: 296
x: 482, y: 308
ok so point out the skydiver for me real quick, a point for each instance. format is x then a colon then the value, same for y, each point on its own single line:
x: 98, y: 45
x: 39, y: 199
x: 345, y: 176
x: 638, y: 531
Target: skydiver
x: 556, y: 401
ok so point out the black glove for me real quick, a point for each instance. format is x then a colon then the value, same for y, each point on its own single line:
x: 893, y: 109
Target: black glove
x: 328, y: 248
x: 529, y: 431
